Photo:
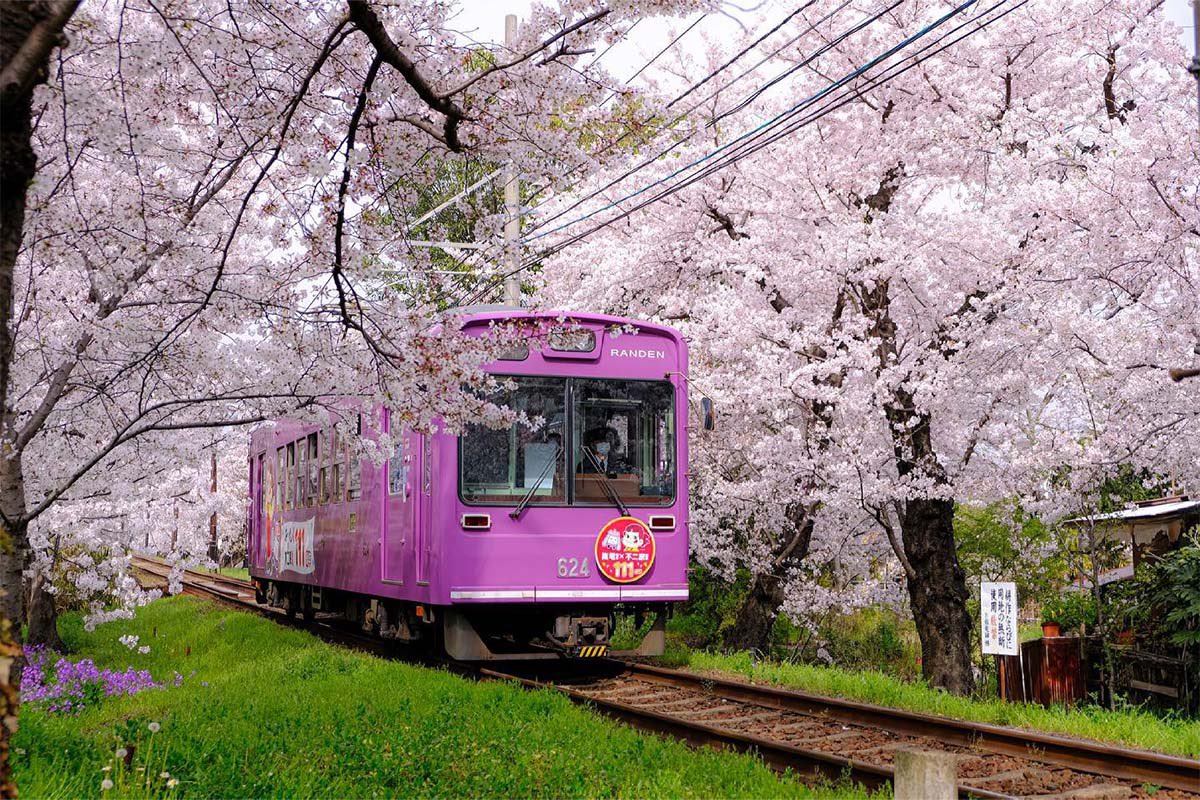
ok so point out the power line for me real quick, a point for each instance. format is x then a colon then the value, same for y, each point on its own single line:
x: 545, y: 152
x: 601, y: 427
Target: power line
x: 826, y: 47
x: 791, y: 128
x: 741, y: 53
x: 682, y: 115
x: 890, y: 73
x: 672, y: 43
x: 816, y: 54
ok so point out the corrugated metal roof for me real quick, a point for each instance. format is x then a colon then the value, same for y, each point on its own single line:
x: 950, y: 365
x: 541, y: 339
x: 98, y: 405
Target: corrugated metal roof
x: 1144, y: 512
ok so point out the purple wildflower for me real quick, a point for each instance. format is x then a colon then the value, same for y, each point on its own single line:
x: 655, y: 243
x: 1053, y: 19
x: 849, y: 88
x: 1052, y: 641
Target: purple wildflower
x: 67, y: 686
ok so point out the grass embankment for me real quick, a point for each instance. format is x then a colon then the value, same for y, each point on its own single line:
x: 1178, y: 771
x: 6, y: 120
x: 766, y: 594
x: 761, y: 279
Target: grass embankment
x: 1131, y: 727
x: 265, y: 711
x: 230, y: 572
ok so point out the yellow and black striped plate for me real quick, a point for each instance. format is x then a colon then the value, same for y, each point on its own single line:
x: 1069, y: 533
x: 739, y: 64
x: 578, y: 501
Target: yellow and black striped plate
x: 593, y: 651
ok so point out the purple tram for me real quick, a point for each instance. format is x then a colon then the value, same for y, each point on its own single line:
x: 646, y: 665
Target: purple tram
x: 499, y: 543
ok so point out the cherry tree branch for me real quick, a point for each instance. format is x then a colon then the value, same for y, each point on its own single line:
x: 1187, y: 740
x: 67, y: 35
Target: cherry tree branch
x: 562, y: 51
x: 26, y: 66
x: 367, y: 21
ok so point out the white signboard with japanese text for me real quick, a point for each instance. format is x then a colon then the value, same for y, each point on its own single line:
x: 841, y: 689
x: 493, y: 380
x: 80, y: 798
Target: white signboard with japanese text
x: 998, y: 617
x: 296, y: 550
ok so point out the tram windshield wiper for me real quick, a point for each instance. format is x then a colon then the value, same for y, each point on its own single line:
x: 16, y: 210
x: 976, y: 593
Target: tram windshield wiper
x: 516, y: 512
x: 609, y: 489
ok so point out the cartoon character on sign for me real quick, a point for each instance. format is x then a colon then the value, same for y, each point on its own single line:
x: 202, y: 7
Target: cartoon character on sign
x: 270, y: 521
x: 625, y: 550
x: 631, y: 540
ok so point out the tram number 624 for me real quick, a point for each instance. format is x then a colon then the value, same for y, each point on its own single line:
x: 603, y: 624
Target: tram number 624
x: 573, y: 568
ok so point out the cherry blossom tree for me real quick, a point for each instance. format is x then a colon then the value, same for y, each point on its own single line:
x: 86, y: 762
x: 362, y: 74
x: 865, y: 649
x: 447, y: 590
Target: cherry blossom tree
x: 943, y: 289
x: 203, y: 216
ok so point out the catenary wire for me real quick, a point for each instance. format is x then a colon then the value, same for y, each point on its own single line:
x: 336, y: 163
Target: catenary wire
x: 684, y: 114
x: 855, y: 93
x: 825, y: 48
x: 773, y: 121
x: 787, y: 130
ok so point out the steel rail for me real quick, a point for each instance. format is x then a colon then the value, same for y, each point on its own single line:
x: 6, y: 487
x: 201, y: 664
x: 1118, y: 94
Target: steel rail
x: 1136, y: 766
x: 1141, y: 766
x: 811, y: 764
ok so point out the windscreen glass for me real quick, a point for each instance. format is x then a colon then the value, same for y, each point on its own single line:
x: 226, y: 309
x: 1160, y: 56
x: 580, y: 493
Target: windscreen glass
x: 623, y: 441
x: 502, y: 466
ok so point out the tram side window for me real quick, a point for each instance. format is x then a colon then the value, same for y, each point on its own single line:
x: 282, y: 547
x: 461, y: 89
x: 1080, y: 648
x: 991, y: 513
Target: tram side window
x: 291, y: 470
x: 313, y: 466
x: 337, y: 486
x: 354, y: 482
x: 280, y: 475
x: 397, y: 469
x: 298, y: 478
x: 326, y: 451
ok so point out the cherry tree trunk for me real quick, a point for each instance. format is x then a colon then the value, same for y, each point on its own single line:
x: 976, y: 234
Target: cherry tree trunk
x: 28, y: 32
x: 43, y: 616
x: 937, y: 591
x: 755, y: 619
x: 14, y: 556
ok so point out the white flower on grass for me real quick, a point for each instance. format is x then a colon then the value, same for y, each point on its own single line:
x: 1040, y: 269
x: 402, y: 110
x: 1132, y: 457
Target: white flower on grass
x: 105, y: 785
x: 122, y: 752
x: 164, y: 775
x: 144, y: 649
x: 129, y: 640
x: 155, y: 727
x: 106, y: 768
x: 171, y: 784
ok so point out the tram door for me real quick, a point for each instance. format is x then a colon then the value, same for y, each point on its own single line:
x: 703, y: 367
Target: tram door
x: 256, y: 510
x: 425, y: 512
x: 398, y: 510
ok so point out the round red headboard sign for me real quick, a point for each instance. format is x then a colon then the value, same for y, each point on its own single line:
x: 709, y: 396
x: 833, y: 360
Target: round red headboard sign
x: 624, y: 550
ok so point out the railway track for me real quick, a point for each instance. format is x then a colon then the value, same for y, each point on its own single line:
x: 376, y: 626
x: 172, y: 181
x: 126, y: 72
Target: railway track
x: 814, y: 736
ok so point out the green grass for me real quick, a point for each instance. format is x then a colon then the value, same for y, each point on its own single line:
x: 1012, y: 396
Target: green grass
x: 231, y: 572
x: 1132, y: 727
x: 285, y: 715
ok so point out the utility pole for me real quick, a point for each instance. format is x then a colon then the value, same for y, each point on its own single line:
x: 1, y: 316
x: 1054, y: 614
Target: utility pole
x: 512, y: 202
x: 212, y: 521
x: 1195, y: 67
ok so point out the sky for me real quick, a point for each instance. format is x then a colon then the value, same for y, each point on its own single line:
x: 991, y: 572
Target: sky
x: 483, y: 20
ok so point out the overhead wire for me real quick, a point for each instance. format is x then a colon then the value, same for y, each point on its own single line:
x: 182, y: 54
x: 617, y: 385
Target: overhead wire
x: 629, y: 131
x: 891, y: 72
x: 832, y: 105
x: 857, y: 27
x: 462, y: 261
x: 812, y: 26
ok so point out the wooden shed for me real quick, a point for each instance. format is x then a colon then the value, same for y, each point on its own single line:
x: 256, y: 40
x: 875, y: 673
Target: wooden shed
x: 1150, y: 527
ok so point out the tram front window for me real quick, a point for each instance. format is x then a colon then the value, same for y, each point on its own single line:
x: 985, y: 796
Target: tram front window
x: 502, y: 466
x: 623, y: 440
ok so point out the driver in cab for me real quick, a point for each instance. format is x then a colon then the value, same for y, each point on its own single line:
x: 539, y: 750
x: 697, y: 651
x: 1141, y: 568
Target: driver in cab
x: 600, y: 453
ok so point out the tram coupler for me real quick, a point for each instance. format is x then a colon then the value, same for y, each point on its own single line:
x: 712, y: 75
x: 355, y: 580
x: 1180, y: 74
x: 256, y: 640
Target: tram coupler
x: 582, y: 636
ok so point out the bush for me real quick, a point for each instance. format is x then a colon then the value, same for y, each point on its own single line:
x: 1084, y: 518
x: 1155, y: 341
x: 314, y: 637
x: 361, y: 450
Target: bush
x: 876, y: 639
x: 1072, y: 610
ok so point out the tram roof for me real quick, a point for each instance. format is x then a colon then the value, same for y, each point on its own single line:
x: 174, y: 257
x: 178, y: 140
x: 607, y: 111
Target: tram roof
x: 474, y: 315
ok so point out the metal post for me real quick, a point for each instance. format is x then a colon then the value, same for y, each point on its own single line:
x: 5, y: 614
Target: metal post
x: 213, y: 553
x: 1195, y: 67
x: 512, y: 202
